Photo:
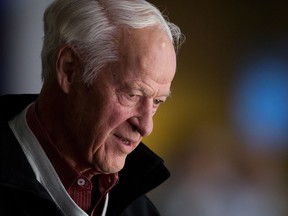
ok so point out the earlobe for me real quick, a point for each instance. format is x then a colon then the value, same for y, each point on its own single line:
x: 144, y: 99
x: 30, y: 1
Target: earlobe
x: 66, y: 68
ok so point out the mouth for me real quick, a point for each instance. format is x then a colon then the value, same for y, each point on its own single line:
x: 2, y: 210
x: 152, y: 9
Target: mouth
x: 127, y: 145
x: 124, y: 140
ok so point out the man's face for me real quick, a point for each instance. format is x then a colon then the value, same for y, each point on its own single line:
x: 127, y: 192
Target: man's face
x: 111, y: 117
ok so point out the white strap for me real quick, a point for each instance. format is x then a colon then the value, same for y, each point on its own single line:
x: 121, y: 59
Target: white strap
x: 105, y: 205
x: 42, y: 167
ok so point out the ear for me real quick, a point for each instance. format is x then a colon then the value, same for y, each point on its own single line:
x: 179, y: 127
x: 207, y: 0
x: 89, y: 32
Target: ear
x: 67, y: 68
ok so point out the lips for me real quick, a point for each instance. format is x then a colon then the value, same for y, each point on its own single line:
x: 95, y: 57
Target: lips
x: 125, y: 141
x: 129, y: 144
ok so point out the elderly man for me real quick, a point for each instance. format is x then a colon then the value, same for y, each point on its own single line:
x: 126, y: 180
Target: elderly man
x: 107, y: 65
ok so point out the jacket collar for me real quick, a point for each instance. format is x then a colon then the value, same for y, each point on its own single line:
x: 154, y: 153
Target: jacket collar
x: 143, y: 171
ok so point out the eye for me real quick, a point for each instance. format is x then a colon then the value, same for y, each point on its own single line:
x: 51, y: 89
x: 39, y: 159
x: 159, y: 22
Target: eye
x: 133, y: 96
x: 128, y: 99
x: 157, y: 102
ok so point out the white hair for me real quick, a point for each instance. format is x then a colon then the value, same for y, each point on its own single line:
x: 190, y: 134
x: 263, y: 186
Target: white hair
x: 90, y: 28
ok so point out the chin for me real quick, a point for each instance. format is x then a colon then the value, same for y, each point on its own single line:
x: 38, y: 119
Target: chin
x: 111, y: 167
x: 117, y: 167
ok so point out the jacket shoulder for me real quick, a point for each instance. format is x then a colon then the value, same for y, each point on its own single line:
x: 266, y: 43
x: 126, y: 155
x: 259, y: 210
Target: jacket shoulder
x: 11, y: 105
x: 141, y: 207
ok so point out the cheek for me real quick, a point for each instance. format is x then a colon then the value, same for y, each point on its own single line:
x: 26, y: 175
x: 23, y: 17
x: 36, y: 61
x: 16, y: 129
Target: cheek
x: 118, y: 114
x: 99, y: 120
x: 110, y: 121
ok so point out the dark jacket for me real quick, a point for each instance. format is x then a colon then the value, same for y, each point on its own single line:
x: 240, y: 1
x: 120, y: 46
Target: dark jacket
x: 21, y: 194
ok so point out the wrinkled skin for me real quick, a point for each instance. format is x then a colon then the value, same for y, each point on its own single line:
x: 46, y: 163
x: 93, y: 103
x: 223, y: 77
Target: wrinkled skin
x: 96, y: 127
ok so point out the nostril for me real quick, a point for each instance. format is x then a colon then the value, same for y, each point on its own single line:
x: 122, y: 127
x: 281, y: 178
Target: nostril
x: 137, y: 127
x: 142, y: 122
x: 134, y: 128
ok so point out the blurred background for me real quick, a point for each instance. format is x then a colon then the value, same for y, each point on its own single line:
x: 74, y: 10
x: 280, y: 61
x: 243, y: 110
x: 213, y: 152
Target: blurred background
x: 224, y: 132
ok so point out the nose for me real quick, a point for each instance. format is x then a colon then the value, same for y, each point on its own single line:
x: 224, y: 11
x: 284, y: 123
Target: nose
x: 142, y: 121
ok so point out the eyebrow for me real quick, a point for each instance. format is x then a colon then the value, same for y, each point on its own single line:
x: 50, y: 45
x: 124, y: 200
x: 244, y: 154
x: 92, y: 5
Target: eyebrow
x: 145, y: 92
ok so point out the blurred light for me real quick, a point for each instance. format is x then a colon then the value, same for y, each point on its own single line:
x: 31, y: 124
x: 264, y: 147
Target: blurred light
x: 260, y: 103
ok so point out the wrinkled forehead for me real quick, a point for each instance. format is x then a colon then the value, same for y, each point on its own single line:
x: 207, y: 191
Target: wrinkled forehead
x: 143, y: 39
x: 150, y: 50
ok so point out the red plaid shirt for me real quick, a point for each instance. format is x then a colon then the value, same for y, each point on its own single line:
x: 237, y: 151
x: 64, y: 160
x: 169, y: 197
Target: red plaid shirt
x: 88, y: 194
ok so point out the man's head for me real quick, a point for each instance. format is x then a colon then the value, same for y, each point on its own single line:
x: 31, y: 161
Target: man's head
x: 112, y: 64
x: 92, y: 28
